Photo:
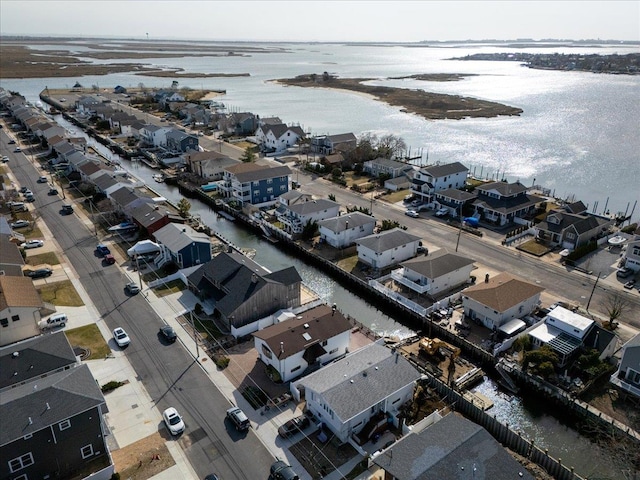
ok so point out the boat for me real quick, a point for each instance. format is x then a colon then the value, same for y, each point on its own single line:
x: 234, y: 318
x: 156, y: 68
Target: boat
x: 616, y: 241
x: 123, y: 227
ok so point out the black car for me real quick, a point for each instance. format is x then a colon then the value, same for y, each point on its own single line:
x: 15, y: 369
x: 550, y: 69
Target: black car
x: 281, y: 471
x: 168, y: 333
x: 39, y: 273
x: 293, y: 426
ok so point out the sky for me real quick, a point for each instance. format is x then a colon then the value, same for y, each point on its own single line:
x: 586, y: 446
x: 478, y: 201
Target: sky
x: 324, y: 21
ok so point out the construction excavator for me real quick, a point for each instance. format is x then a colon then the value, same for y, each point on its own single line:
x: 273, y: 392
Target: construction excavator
x: 435, y: 346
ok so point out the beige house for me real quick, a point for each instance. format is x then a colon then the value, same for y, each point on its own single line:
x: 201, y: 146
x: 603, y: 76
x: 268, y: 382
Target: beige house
x: 20, y: 306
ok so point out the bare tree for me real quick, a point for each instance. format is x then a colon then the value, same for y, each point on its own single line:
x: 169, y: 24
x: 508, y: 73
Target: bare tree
x: 616, y: 306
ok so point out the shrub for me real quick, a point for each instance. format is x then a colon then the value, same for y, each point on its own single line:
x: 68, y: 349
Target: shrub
x: 629, y: 228
x: 222, y: 362
x: 112, y: 385
x: 582, y: 251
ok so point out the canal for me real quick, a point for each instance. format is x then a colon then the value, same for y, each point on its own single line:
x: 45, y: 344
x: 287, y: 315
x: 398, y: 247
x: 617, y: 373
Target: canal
x: 528, y: 417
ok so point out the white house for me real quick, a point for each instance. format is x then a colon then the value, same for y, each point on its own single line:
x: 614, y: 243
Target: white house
x: 295, y: 216
x: 434, y: 178
x: 499, y: 299
x: 627, y: 377
x: 20, y: 306
x: 278, y: 137
x: 354, y: 394
x: 434, y: 274
x: 387, y: 248
x: 344, y: 230
x: 309, y: 340
x: 632, y: 253
x: 154, y: 135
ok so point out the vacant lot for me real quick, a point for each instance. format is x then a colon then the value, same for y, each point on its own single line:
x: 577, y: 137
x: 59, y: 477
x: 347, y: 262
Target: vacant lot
x: 61, y: 294
x: 143, y: 459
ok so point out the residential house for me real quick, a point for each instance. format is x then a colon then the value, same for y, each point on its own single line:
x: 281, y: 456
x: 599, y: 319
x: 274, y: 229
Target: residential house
x: 87, y: 105
x: 164, y: 97
x: 435, y: 274
x: 500, y: 299
x: 355, y: 396
x: 11, y: 261
x: 179, y: 141
x: 387, y: 248
x: 209, y: 165
x: 119, y: 89
x: 293, y: 197
x: 502, y: 203
x: 386, y: 166
x: 454, y: 200
x: 403, y: 182
x: 124, y: 199
x: 570, y: 230
x: 631, y: 255
x: 242, y: 123
x: 434, y: 178
x: 278, y: 137
x: 56, y: 410
x: 335, y: 160
x: 294, y: 217
x: 344, y: 230
x: 20, y: 306
x: 564, y: 331
x: 441, y: 450
x: 154, y: 135
x: 151, y: 217
x: 243, y: 291
x: 106, y: 183
x: 182, y: 245
x: 305, y: 342
x: 90, y: 171
x: 259, y: 185
x: 627, y: 376
x: 330, y: 144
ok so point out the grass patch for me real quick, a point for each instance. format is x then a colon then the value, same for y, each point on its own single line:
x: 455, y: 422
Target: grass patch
x: 207, y: 328
x: 243, y: 145
x: 354, y: 179
x: 395, y: 197
x: 534, y: 248
x: 174, y: 286
x: 348, y: 264
x: 61, y: 294
x: 90, y: 338
x: 50, y: 258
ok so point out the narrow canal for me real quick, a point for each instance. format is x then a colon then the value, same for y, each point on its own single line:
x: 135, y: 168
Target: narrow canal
x: 528, y: 417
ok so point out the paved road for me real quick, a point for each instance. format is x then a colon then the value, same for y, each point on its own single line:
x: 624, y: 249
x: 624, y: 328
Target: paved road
x: 169, y: 373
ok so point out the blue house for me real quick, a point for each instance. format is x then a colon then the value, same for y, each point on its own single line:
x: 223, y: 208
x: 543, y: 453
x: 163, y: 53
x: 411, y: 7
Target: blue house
x: 182, y: 245
x: 254, y: 184
x: 179, y: 141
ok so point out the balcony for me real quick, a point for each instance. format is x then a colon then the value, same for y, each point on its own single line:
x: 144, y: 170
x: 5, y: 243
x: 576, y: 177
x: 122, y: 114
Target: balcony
x: 398, y: 276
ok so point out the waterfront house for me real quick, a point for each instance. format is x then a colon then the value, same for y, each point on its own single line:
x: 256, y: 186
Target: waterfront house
x: 87, y: 105
x: 124, y: 199
x: 154, y: 136
x: 570, y: 230
x: 20, y: 307
x: 180, y: 141
x: 627, y: 376
x: 90, y: 170
x: 293, y: 197
x: 434, y: 274
x: 209, y: 165
x: 258, y: 185
x: 502, y: 203
x: 386, y: 166
x: 53, y: 413
x: 454, y: 200
x: 387, y: 248
x: 278, y: 137
x: 631, y: 255
x: 243, y: 291
x: 182, y: 245
x: 106, y: 183
x: 151, y: 217
x: 499, y: 299
x: 294, y: 217
x: 164, y: 97
x: 304, y: 343
x: 438, y: 446
x: 434, y: 178
x: 330, y: 144
x: 344, y: 230
x: 359, y: 395
x: 241, y: 123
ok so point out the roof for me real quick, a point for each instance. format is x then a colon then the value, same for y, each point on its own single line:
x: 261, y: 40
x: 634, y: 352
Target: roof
x: 582, y: 223
x: 361, y: 379
x: 502, y: 292
x: 507, y: 204
x: 342, y: 222
x: 503, y: 188
x: 89, y: 168
x: 455, y: 194
x: 313, y: 206
x: 104, y: 181
x: 387, y: 162
x: 437, y: 264
x: 147, y: 214
x: 251, y: 172
x: 309, y: 328
x: 342, y: 138
x: 383, y: 241
x: 573, y: 320
x: 177, y: 236
x: 10, y: 253
x: 47, y: 401
x: 452, y: 444
x: 18, y: 292
x: 36, y: 356
x: 437, y: 171
x: 124, y: 196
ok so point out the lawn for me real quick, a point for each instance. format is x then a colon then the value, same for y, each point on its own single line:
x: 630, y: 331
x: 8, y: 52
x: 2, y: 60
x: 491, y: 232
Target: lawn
x: 89, y: 338
x: 355, y: 179
x: 534, y: 248
x: 174, y: 286
x: 348, y: 264
x: 61, y: 294
x: 49, y: 258
x: 207, y: 328
x: 395, y: 197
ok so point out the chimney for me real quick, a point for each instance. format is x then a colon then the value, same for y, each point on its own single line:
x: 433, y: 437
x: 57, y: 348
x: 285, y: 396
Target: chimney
x: 281, y: 347
x: 254, y: 278
x: 486, y: 278
x: 229, y: 249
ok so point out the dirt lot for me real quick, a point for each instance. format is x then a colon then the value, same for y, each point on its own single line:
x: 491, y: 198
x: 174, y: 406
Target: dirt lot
x: 143, y: 459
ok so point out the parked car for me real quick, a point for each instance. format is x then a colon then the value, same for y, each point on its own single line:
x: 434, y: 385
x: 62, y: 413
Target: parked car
x: 20, y: 224
x: 121, y: 337
x: 52, y: 191
x: 412, y: 213
x: 294, y: 426
x: 27, y: 192
x: 66, y: 209
x: 211, y: 476
x: 102, y: 250
x: 630, y: 284
x: 5, y: 159
x: 29, y: 197
x: 109, y: 259
x: 169, y: 333
x: 23, y: 189
x: 17, y: 206
x: 17, y: 150
x: 624, y: 272
x: 416, y: 203
x: 42, y: 179
x: 281, y: 471
x: 238, y: 418
x: 32, y: 244
x: 54, y: 321
x: 442, y: 212
x: 39, y: 273
x: 132, y: 288
x: 12, y: 142
x: 173, y: 421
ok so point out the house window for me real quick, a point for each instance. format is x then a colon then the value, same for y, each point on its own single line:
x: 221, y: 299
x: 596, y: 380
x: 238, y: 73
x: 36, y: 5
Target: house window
x: 269, y: 180
x: 27, y: 437
x: 64, y: 424
x: 270, y: 190
x: 15, y: 318
x: 256, y: 193
x: 21, y: 462
x: 283, y: 188
x: 294, y: 369
x: 4, y: 322
x: 570, y: 236
x: 267, y: 353
x: 86, y: 451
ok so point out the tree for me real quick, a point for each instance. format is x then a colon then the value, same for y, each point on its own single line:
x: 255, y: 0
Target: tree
x: 615, y: 305
x: 310, y: 230
x: 390, y: 146
x: 336, y: 173
x: 248, y: 156
x: 332, y: 197
x: 184, y: 206
x: 541, y: 361
x: 389, y: 225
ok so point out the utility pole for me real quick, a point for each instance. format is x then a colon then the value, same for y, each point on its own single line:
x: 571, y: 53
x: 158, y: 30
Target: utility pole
x: 593, y: 290
x: 195, y: 335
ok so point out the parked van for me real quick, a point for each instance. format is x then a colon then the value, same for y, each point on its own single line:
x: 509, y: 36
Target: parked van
x: 54, y: 321
x: 18, y: 207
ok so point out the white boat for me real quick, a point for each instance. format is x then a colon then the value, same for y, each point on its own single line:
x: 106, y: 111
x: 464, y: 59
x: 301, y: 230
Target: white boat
x: 617, y: 240
x: 123, y: 227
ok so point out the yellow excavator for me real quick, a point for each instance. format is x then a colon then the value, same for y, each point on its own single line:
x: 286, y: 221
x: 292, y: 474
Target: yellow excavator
x: 434, y: 346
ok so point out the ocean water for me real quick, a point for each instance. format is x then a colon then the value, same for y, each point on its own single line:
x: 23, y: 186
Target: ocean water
x: 579, y: 134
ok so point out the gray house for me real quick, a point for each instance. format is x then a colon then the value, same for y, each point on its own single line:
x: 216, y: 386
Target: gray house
x: 182, y: 245
x: 627, y: 377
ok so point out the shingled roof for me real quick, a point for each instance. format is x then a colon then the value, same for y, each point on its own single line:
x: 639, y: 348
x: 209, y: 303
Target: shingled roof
x: 437, y: 264
x: 383, y: 241
x: 18, y: 292
x: 502, y: 292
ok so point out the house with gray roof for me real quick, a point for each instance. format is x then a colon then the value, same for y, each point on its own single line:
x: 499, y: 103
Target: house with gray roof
x: 150, y: 216
x: 56, y: 409
x: 330, y: 144
x: 433, y: 178
x: 627, y: 376
x: 501, y: 203
x: 11, y: 260
x: 386, y: 166
x: 434, y: 274
x: 351, y: 396
x: 451, y: 444
x: 209, y: 165
x: 387, y: 248
x: 106, y: 183
x: 274, y: 138
x: 570, y: 230
x: 295, y: 216
x: 182, y: 245
x: 454, y: 200
x: 180, y: 141
x: 344, y: 230
x: 254, y: 184
x: 303, y: 342
x: 244, y: 291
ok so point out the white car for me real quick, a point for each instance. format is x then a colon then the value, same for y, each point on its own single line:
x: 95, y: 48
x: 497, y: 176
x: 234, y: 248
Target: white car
x: 32, y: 244
x: 121, y: 337
x: 443, y: 212
x: 20, y: 224
x: 173, y: 421
x: 412, y: 213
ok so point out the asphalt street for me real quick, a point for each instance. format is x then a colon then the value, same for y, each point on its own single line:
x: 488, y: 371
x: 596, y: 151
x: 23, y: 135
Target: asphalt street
x: 170, y: 375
